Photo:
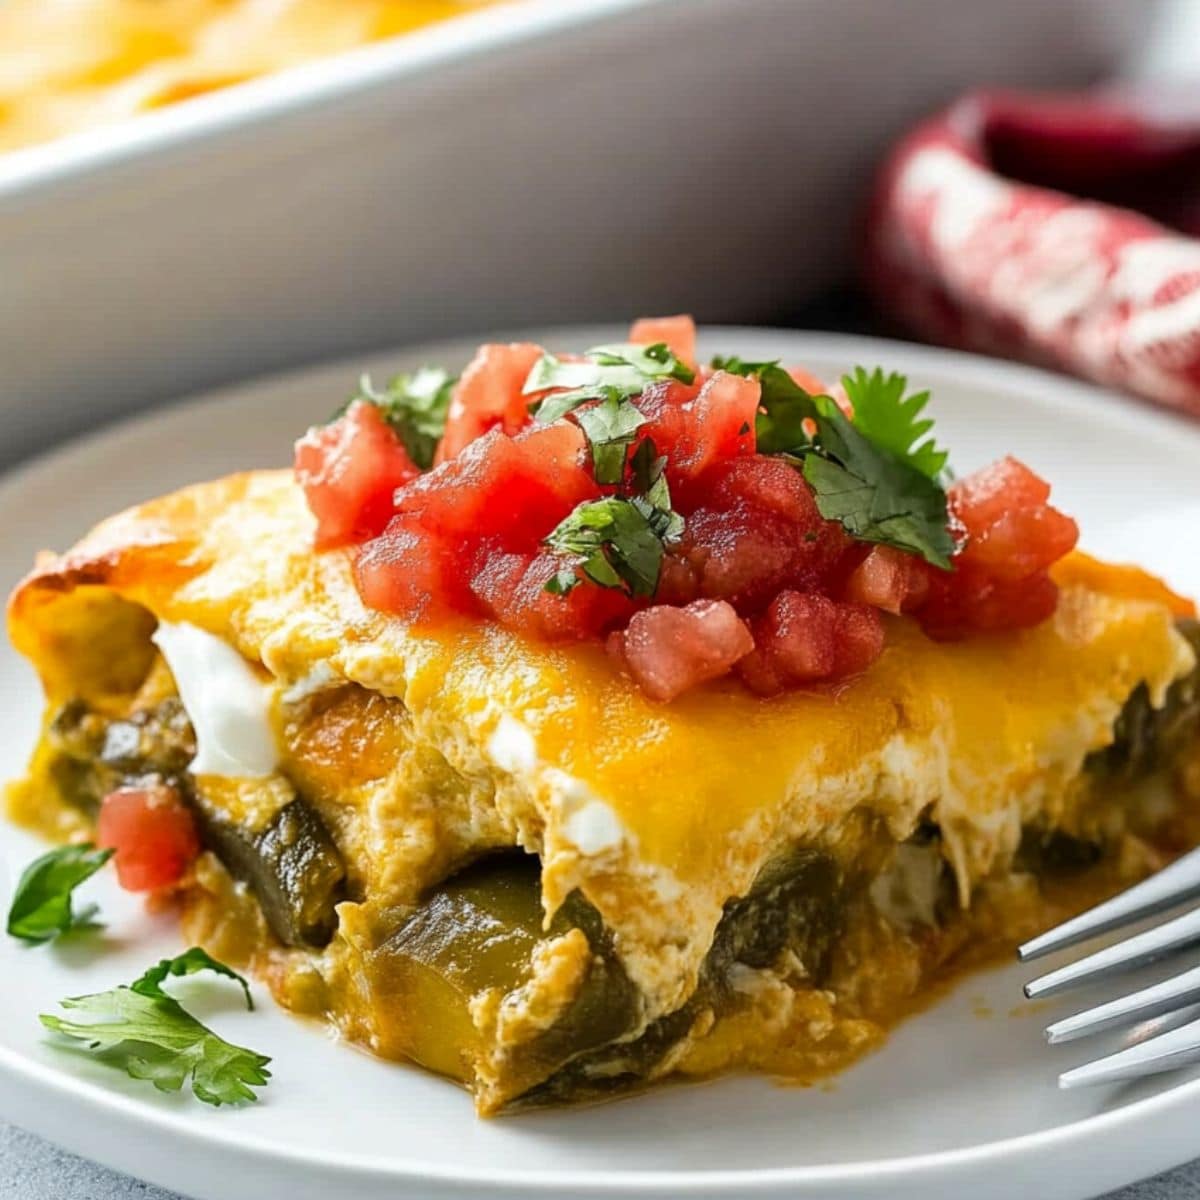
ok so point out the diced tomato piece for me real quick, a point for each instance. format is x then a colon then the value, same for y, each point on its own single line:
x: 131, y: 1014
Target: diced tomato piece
x: 719, y: 424
x: 664, y: 405
x: 669, y: 650
x: 967, y: 602
x: 489, y: 394
x: 679, y: 333
x: 740, y: 555
x: 981, y: 499
x: 768, y: 485
x: 798, y: 632
x: 759, y: 531
x: 512, y: 588
x: 350, y: 470
x: 806, y: 638
x: 412, y: 572
x: 514, y: 489
x: 677, y: 582
x: 858, y: 639
x: 808, y: 381
x: 153, y: 833
x: 760, y: 674
x: 499, y: 498
x: 1000, y: 579
x: 1021, y: 542
x: 497, y: 579
x: 1018, y: 605
x: 888, y: 579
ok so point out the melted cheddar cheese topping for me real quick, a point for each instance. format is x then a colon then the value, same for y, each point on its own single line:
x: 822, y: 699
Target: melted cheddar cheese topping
x: 67, y: 65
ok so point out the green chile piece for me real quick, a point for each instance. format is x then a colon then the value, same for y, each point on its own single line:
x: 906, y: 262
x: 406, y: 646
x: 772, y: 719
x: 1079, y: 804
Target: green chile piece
x: 477, y: 931
x: 96, y: 755
x: 292, y: 866
x: 796, y: 904
x: 1147, y: 738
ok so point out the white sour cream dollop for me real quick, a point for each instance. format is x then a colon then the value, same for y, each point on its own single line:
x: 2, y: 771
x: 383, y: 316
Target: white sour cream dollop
x: 228, y: 704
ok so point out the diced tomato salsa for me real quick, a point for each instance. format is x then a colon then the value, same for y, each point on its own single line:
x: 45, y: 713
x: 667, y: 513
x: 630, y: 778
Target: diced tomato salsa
x: 758, y: 584
x: 153, y: 834
x: 350, y: 470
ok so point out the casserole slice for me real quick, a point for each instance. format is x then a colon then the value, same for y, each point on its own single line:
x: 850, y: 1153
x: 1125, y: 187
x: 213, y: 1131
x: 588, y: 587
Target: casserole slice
x: 594, y: 719
x: 499, y: 858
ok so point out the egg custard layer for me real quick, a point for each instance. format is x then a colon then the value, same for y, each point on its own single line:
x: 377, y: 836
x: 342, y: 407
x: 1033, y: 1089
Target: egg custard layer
x: 502, y: 861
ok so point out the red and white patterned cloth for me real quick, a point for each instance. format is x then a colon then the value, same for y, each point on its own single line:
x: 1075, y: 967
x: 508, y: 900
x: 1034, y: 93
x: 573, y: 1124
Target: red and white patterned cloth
x: 1064, y: 230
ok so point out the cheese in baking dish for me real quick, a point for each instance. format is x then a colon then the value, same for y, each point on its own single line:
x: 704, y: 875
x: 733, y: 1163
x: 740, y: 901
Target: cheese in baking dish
x: 499, y: 859
x: 67, y: 65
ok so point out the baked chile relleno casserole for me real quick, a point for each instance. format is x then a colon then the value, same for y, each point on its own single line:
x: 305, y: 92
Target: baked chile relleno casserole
x: 592, y: 719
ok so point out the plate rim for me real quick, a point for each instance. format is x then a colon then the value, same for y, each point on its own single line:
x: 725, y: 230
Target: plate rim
x: 135, y: 1116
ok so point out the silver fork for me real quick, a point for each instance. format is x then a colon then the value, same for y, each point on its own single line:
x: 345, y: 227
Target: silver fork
x: 1177, y: 1047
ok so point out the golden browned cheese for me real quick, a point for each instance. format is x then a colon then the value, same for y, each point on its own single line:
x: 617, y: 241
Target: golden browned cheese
x: 67, y: 65
x: 420, y: 746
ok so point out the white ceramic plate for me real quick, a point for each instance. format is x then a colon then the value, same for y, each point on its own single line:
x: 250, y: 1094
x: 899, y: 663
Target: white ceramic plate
x: 962, y: 1100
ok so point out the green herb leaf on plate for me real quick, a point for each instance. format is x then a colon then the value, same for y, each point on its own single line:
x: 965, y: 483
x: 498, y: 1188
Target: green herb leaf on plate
x: 146, y: 1032
x: 188, y: 963
x: 42, y: 906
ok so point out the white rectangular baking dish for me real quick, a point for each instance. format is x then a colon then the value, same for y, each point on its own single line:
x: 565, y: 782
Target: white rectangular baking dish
x: 553, y: 160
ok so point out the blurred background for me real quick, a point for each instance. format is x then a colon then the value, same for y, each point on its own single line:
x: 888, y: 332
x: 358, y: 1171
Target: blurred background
x: 195, y: 191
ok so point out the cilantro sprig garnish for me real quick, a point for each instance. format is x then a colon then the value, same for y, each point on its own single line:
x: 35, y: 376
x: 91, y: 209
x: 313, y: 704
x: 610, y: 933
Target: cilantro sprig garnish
x: 611, y: 375
x: 415, y: 406
x: 42, y: 906
x: 877, y: 475
x: 893, y: 420
x: 146, y: 1032
x: 620, y: 541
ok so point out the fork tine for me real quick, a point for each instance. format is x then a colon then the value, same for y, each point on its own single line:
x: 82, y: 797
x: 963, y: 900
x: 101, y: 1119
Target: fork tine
x: 1170, y: 886
x: 1177, y: 1048
x: 1142, y: 948
x: 1167, y: 996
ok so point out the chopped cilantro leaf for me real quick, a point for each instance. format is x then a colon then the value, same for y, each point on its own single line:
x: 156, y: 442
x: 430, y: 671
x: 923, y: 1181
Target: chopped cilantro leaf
x: 650, y: 480
x: 892, y: 420
x: 625, y: 369
x: 41, y: 908
x: 562, y: 581
x: 610, y: 428
x: 616, y: 541
x: 873, y: 480
x: 150, y: 1035
x: 654, y: 362
x: 620, y: 541
x: 611, y: 375
x: 415, y: 406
